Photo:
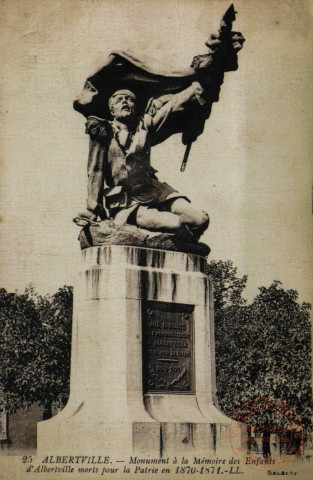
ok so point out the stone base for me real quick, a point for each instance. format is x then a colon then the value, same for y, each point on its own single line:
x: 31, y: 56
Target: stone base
x: 121, y: 401
x: 80, y: 435
x: 109, y: 233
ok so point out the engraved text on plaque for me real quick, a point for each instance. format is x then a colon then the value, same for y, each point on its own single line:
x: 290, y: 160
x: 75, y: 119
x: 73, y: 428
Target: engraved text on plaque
x: 167, y: 347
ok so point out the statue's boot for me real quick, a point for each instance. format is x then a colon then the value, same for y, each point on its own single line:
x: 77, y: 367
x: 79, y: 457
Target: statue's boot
x: 89, y: 217
x: 186, y: 240
x: 85, y: 218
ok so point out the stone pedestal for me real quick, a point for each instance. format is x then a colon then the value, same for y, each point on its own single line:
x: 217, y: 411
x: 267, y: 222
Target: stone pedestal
x: 142, y: 372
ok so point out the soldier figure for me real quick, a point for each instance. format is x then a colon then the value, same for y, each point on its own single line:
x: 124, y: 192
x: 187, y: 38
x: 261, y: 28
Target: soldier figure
x: 121, y: 182
x: 119, y: 166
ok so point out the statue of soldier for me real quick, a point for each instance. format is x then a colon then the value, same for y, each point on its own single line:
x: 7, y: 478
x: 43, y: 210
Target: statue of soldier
x: 132, y: 192
x: 122, y: 184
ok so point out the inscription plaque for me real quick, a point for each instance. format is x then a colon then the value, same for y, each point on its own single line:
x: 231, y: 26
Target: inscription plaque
x: 167, y: 347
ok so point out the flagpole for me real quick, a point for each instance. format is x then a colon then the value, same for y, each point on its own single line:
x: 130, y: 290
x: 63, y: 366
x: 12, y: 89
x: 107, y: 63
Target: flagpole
x: 186, y: 155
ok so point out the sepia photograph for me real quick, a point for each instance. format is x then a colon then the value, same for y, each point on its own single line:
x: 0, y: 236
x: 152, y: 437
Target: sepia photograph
x: 156, y: 257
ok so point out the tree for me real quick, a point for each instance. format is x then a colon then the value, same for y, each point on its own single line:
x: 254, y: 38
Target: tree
x: 35, y: 348
x: 283, y: 343
x: 52, y: 367
x: 262, y: 349
x: 19, y: 325
x: 228, y: 287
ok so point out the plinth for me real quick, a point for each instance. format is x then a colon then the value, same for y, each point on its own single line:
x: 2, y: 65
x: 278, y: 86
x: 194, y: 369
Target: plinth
x: 142, y: 368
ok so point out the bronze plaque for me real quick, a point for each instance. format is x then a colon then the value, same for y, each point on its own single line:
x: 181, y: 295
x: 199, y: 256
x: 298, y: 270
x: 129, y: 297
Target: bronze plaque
x: 167, y: 347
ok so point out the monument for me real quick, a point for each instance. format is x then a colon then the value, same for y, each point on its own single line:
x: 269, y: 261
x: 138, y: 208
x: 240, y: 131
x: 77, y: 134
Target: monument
x: 142, y: 369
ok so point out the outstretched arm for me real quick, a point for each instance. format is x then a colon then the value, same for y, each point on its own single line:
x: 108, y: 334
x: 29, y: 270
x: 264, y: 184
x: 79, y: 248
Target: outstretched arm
x: 164, y: 116
x: 187, y: 110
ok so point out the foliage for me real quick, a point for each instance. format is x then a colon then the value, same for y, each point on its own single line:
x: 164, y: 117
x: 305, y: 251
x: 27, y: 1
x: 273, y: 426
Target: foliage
x: 262, y: 349
x: 35, y: 347
x: 228, y: 287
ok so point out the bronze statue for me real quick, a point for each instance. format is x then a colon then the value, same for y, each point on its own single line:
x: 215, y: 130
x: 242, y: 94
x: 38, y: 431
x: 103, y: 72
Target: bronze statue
x: 130, y: 107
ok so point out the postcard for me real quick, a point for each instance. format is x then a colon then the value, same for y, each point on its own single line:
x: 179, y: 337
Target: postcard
x: 165, y: 332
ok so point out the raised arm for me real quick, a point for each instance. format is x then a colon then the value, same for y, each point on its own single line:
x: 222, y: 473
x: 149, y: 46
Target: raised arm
x: 165, y: 116
x: 188, y: 110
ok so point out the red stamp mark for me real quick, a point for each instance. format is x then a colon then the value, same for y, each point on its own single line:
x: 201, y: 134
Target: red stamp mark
x: 266, y: 434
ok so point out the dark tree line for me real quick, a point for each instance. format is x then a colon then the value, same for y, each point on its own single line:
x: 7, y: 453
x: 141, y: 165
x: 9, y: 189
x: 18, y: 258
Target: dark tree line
x: 35, y: 346
x: 262, y: 349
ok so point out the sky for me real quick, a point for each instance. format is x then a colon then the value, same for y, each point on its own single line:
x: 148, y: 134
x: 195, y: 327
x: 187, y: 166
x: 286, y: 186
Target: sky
x: 251, y: 169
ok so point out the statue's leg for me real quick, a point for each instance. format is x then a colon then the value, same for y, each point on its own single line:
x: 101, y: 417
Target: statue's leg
x: 154, y: 220
x: 197, y: 220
